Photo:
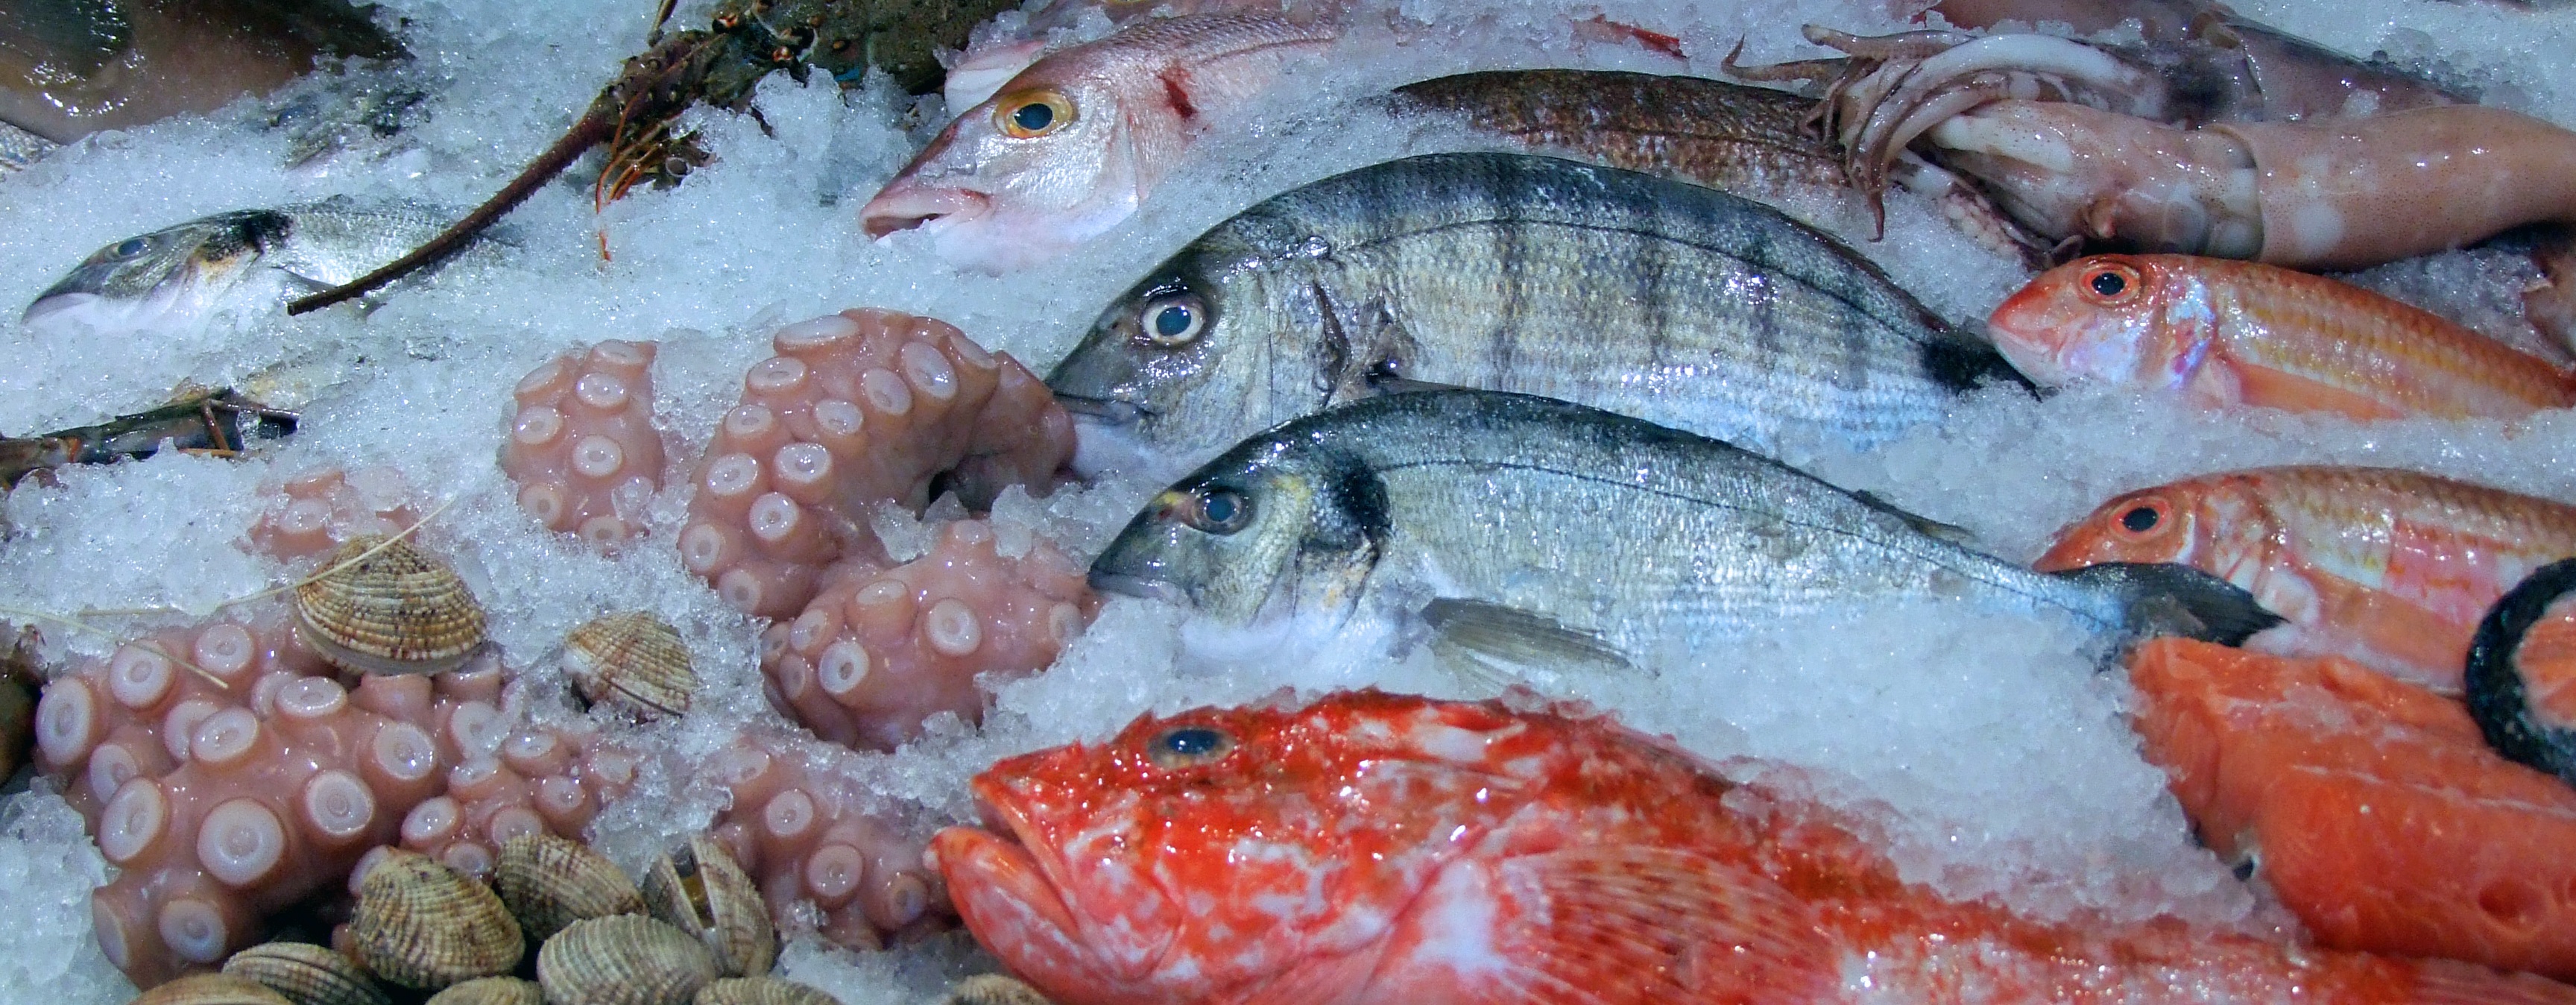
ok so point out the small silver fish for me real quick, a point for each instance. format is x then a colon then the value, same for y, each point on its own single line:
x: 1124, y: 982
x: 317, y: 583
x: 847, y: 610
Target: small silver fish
x: 1518, y: 531
x: 182, y: 274
x: 1650, y: 297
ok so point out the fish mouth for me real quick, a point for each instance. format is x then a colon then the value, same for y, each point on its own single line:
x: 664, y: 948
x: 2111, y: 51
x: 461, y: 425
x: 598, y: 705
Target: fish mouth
x: 1010, y: 889
x: 59, y: 301
x: 904, y: 206
x: 1106, y: 410
x: 1127, y: 585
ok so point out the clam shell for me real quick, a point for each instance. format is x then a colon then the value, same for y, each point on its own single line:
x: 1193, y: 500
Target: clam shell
x: 491, y: 991
x: 211, y: 989
x: 306, y: 974
x: 761, y: 991
x: 699, y: 888
x: 635, y: 661
x: 394, y: 612
x: 627, y: 959
x: 423, y: 925
x: 993, y: 989
x: 549, y: 882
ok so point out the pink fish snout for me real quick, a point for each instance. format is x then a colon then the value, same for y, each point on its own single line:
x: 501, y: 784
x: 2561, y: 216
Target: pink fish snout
x: 904, y: 205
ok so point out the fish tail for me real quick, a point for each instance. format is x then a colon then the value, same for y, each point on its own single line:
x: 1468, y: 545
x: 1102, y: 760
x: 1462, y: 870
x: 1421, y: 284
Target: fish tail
x: 2167, y: 599
x: 2503, y: 672
x: 2448, y: 982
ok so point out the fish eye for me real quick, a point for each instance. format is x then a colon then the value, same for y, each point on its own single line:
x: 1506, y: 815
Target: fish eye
x: 1174, y: 320
x: 1031, y: 114
x: 1188, y: 746
x: 2145, y: 517
x: 1217, y: 510
x: 130, y: 247
x: 2110, y: 283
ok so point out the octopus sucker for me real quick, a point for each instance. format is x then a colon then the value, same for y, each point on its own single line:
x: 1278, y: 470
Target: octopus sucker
x: 808, y: 836
x: 581, y: 442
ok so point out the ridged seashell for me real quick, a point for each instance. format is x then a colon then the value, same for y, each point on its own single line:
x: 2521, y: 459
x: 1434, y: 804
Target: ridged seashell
x: 396, y: 611
x: 628, y: 959
x: 700, y: 888
x: 491, y: 991
x: 635, y: 661
x: 211, y: 989
x: 423, y: 925
x: 761, y: 991
x: 306, y: 974
x: 994, y: 989
x: 549, y: 882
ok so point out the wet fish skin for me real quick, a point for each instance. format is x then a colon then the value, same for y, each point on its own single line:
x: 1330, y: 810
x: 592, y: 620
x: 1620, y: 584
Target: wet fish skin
x: 1605, y: 526
x: 1672, y: 302
x: 1069, y: 147
x: 185, y: 272
x: 2225, y: 333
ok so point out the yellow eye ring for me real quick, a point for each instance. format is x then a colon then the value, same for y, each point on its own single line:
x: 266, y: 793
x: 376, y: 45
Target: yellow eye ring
x: 1030, y: 114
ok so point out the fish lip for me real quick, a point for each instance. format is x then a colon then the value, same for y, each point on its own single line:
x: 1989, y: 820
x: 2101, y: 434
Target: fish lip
x: 905, y: 205
x: 1127, y: 585
x: 58, y: 300
x: 1107, y: 410
x: 1001, y: 818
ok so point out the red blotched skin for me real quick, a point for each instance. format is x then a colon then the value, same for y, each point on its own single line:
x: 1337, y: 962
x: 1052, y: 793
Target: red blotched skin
x: 227, y: 774
x: 808, y: 836
x: 2229, y: 333
x: 2373, y: 808
x: 855, y: 410
x: 1382, y: 848
x: 880, y: 650
x: 316, y: 511
x: 582, y: 444
x: 2392, y: 568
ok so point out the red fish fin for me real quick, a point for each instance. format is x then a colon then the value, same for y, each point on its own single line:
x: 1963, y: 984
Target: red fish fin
x: 2269, y: 388
x: 2444, y: 982
x: 1607, y: 925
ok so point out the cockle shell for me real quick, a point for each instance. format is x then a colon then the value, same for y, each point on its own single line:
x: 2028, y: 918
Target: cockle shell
x: 549, y: 882
x: 306, y: 974
x: 211, y: 989
x: 994, y: 989
x: 628, y: 959
x: 423, y: 925
x: 699, y: 888
x: 491, y: 991
x: 761, y: 991
x: 635, y: 661
x: 397, y: 611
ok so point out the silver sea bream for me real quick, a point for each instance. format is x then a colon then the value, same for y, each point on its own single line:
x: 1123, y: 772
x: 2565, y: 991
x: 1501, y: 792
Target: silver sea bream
x: 184, y: 273
x: 1674, y: 303
x: 1524, y: 530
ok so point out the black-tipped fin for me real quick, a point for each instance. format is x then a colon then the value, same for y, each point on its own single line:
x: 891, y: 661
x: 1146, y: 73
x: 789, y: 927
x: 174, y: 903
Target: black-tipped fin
x: 2499, y: 698
x: 2166, y: 599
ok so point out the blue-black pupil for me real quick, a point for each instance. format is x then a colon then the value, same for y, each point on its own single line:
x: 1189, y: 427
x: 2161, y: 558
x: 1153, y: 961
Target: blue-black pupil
x: 1034, y: 116
x: 131, y: 247
x: 2139, y: 520
x: 1220, y: 507
x: 2109, y: 283
x: 1192, y: 742
x: 1172, y: 320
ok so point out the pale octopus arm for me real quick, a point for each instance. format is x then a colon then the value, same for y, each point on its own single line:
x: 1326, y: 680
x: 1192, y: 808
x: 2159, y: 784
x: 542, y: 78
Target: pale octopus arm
x: 582, y: 444
x: 815, y: 842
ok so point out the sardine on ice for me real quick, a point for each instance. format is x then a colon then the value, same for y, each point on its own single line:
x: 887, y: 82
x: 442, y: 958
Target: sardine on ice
x: 1515, y: 531
x: 182, y: 274
x: 1674, y: 303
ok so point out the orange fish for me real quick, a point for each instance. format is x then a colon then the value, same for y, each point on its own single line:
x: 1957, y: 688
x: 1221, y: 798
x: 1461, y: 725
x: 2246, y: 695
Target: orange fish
x: 2242, y: 333
x: 1377, y: 848
x: 2391, y: 568
x: 2372, y: 807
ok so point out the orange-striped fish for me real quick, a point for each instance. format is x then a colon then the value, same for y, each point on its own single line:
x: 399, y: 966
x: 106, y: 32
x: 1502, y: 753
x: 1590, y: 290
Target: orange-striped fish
x: 2370, y: 806
x: 2243, y: 333
x: 2391, y: 568
x: 1377, y: 848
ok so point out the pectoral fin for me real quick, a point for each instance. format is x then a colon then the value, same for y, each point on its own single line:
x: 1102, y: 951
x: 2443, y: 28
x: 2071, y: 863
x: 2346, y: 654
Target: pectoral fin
x: 1924, y: 525
x: 1500, y: 644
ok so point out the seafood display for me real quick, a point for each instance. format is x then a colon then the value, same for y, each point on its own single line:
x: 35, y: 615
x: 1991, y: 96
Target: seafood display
x: 1483, y: 270
x: 1409, y: 509
x: 1496, y: 525
x: 1486, y: 852
x: 2238, y: 333
x: 2389, y: 568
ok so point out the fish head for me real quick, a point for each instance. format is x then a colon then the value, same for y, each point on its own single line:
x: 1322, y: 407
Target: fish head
x: 143, y: 281
x: 2160, y: 524
x: 1043, y: 166
x: 1283, y: 529
x: 1168, y: 365
x: 1211, y: 854
x: 2092, y: 319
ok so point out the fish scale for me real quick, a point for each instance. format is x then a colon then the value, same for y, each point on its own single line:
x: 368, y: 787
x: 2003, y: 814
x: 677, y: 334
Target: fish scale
x: 1675, y: 303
